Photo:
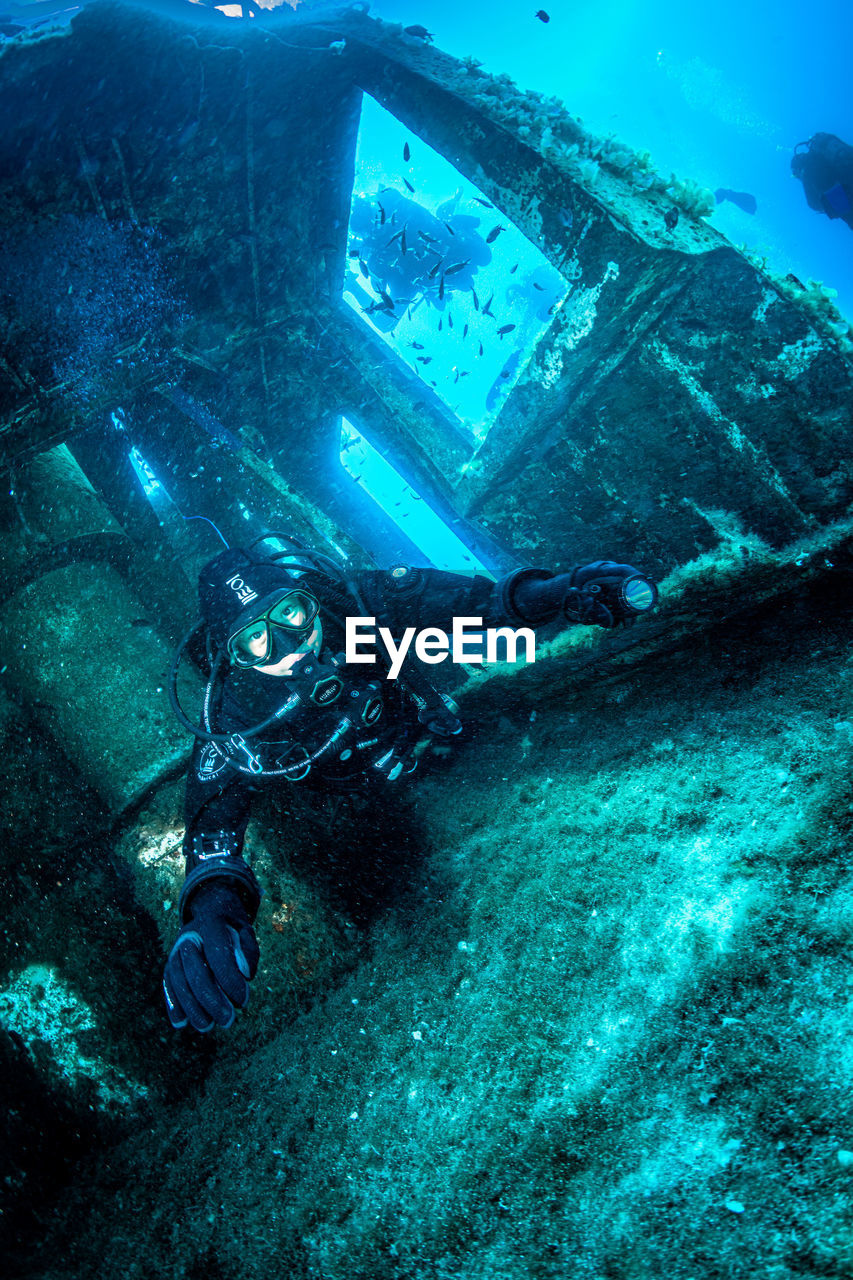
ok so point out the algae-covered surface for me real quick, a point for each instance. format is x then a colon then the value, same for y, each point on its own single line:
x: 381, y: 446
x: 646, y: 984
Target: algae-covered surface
x: 602, y: 1030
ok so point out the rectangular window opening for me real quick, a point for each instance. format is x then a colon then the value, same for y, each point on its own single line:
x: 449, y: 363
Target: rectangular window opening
x: 452, y: 286
x: 403, y: 505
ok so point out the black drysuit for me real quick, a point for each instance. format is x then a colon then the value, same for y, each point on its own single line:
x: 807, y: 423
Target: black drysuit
x: 350, y: 716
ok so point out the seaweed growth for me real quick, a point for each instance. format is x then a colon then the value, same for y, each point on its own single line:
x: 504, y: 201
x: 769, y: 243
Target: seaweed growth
x: 819, y: 301
x: 546, y: 123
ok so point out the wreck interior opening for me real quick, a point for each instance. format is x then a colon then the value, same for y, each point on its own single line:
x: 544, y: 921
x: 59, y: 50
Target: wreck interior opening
x: 422, y: 252
x: 427, y: 535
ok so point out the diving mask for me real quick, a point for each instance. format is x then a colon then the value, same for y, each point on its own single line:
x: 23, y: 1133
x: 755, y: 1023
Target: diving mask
x: 292, y: 613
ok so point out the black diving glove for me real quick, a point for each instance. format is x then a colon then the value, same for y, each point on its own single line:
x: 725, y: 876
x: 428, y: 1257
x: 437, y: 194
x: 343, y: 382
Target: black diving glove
x: 214, y: 957
x: 602, y: 594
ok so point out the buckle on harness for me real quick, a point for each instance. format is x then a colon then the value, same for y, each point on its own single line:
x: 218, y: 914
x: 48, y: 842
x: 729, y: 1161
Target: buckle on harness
x: 392, y: 764
x: 252, y: 761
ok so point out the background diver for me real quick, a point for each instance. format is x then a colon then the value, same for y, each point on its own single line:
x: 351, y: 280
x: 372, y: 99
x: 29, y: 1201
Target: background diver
x: 283, y: 705
x: 825, y: 168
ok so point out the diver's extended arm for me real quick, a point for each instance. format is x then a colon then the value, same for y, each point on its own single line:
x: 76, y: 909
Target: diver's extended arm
x: 603, y: 593
x: 215, y: 953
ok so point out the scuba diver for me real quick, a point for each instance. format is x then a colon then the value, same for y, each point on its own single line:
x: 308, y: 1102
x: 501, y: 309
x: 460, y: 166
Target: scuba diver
x: 283, y: 704
x: 825, y: 168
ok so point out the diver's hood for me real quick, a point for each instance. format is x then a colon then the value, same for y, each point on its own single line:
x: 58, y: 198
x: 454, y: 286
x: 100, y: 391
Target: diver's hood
x: 231, y: 583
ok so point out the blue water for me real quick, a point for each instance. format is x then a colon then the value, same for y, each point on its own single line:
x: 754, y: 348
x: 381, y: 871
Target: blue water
x: 720, y: 93
x: 458, y: 255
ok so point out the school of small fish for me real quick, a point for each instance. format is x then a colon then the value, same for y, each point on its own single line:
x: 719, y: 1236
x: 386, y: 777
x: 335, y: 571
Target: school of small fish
x: 424, y: 246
